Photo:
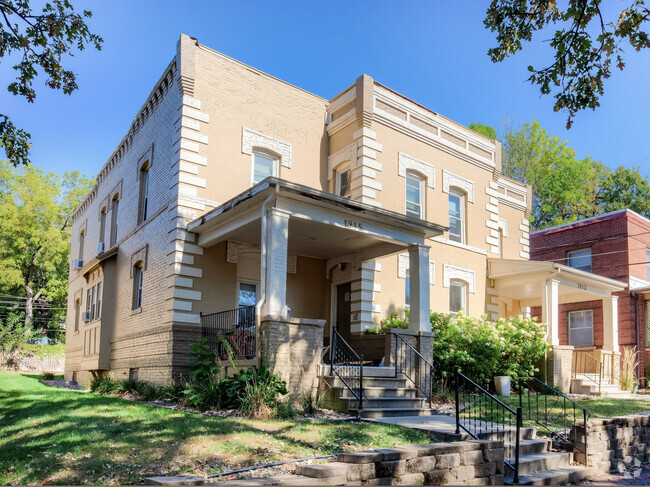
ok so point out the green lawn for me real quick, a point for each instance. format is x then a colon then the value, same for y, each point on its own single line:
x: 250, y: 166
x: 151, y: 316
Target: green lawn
x: 57, y: 436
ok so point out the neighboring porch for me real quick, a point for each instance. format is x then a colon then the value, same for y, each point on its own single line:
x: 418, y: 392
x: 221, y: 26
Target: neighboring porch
x: 292, y: 264
x: 581, y: 311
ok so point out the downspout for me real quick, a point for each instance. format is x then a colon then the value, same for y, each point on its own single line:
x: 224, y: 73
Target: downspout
x: 637, y: 326
x: 262, y: 300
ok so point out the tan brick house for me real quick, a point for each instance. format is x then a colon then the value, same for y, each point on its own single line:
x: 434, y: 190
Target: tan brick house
x: 239, y: 194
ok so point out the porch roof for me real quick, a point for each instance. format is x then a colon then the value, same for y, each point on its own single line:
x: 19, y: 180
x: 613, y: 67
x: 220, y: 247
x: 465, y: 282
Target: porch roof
x: 322, y: 224
x: 522, y: 279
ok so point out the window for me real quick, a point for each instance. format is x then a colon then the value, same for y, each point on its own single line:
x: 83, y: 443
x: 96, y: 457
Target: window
x: 264, y: 166
x: 500, y: 243
x: 581, y: 328
x: 247, y: 294
x: 343, y: 182
x: 102, y: 225
x: 114, y: 212
x: 144, y: 194
x: 88, y: 301
x: 407, y: 289
x: 456, y: 216
x: 457, y: 296
x: 93, y: 302
x: 579, y: 259
x: 99, y: 301
x: 414, y: 195
x: 137, y: 285
x: 82, y: 240
x: 77, y: 312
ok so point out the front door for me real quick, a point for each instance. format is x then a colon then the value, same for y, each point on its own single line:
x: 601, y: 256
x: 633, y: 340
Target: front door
x: 343, y: 309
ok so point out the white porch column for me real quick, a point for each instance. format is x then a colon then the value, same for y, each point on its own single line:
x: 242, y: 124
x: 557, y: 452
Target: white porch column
x: 610, y: 323
x: 275, y: 283
x: 419, y: 283
x: 550, y: 314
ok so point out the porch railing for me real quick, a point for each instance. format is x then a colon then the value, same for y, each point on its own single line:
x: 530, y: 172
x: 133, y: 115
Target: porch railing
x: 553, y: 412
x: 483, y: 416
x: 347, y: 365
x: 409, y: 362
x: 604, y: 371
x: 231, y: 331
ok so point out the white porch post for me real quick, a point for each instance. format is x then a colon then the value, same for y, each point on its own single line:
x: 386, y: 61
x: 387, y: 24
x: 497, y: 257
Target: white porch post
x: 275, y: 285
x: 610, y: 323
x: 419, y: 283
x: 550, y: 314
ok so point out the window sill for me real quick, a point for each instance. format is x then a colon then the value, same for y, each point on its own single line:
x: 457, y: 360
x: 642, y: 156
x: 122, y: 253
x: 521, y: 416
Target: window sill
x: 459, y: 245
x: 136, y: 311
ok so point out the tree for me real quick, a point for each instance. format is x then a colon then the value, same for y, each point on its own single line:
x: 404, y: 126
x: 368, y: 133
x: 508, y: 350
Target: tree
x: 39, y: 41
x: 35, y: 209
x: 624, y: 188
x: 484, y: 130
x: 584, y: 44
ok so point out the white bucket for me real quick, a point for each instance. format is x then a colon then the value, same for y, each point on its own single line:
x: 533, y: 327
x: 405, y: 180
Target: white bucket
x: 502, y: 383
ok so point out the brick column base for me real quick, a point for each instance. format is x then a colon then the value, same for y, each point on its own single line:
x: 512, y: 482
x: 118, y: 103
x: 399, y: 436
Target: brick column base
x: 559, y: 365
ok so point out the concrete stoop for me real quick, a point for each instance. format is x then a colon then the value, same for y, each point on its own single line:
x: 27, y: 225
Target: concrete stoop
x: 585, y: 384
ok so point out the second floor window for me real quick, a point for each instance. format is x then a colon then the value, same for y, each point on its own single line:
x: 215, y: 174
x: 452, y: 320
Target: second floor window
x: 114, y: 212
x: 414, y: 195
x: 102, y: 225
x: 94, y: 302
x: 457, y: 296
x: 137, y: 285
x: 264, y: 166
x: 456, y: 216
x: 579, y: 259
x: 82, y: 240
x: 343, y: 182
x: 144, y: 194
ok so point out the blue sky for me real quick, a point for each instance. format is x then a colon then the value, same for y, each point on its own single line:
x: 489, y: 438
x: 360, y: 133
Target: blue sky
x: 431, y: 51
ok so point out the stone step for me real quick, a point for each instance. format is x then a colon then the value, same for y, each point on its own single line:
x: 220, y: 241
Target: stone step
x: 558, y: 476
x: 507, y: 435
x: 529, y: 447
x: 391, y: 412
x: 541, y: 462
x: 382, y: 391
x: 368, y: 370
x: 384, y: 382
x: 387, y: 402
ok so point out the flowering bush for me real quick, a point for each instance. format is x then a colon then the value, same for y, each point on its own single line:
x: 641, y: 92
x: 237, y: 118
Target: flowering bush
x: 483, y: 349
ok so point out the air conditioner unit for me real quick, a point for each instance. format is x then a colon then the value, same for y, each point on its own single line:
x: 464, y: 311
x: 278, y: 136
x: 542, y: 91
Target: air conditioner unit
x: 86, y: 316
x: 77, y: 264
x: 100, y: 247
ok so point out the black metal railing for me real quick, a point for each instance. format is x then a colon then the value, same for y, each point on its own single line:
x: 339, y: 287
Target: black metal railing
x: 587, y: 367
x: 347, y: 365
x: 409, y: 362
x: 611, y: 368
x: 553, y: 412
x: 231, y: 330
x: 483, y: 416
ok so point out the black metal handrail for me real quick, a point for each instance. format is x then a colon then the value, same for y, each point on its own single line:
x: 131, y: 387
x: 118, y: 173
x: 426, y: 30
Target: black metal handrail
x: 479, y: 413
x: 589, y: 367
x: 233, y: 329
x: 548, y: 408
x: 347, y: 365
x: 409, y: 362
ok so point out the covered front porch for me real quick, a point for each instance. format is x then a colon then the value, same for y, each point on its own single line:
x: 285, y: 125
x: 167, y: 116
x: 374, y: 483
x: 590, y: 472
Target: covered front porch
x: 579, y: 308
x: 300, y: 261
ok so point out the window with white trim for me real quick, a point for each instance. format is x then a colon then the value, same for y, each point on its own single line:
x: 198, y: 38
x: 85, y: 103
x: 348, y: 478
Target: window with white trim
x: 457, y: 216
x: 581, y: 328
x: 579, y: 259
x: 143, y: 210
x: 457, y: 296
x: 414, y: 195
x: 407, y: 289
x: 115, y: 205
x: 77, y: 313
x: 82, y: 240
x: 94, y: 302
x: 102, y: 225
x: 265, y: 165
x: 343, y: 181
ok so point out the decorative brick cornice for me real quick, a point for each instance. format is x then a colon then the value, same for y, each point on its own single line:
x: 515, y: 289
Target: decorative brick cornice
x: 252, y: 139
x: 407, y: 163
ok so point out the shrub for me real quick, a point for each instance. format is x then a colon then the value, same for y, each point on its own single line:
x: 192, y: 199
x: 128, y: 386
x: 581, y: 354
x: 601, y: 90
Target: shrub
x: 102, y: 384
x: 628, y: 368
x: 47, y: 376
x: 202, y: 361
x: 483, y: 349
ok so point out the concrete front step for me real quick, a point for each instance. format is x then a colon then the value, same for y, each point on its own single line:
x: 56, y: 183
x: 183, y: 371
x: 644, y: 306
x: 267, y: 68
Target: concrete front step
x: 384, y: 382
x: 392, y: 412
x: 405, y: 392
x: 368, y: 371
x: 387, y: 402
x: 558, y: 476
x: 507, y: 434
x: 541, y: 462
x: 529, y: 447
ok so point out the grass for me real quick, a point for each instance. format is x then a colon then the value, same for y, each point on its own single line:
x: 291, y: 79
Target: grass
x: 57, y: 436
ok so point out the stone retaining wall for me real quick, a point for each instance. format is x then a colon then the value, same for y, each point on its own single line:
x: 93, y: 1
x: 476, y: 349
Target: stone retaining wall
x: 613, y: 443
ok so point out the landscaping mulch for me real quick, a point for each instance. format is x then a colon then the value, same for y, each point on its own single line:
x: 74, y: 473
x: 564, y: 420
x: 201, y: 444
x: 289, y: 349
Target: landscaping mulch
x: 64, y: 384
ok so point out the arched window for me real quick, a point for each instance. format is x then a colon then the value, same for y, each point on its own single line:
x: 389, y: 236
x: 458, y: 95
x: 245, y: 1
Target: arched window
x: 343, y: 180
x: 415, y: 195
x: 102, y: 229
x: 265, y: 165
x: 115, y: 204
x: 77, y: 312
x: 457, y: 296
x: 82, y: 240
x: 457, y: 211
x: 143, y: 209
x: 138, y: 272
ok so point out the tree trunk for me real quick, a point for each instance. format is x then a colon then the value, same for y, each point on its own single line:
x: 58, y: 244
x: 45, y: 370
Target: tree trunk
x: 29, y: 310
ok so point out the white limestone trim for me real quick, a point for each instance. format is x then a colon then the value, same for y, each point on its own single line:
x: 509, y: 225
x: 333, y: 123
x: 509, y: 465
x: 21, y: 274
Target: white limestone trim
x: 452, y: 272
x: 192, y: 180
x: 186, y: 294
x: 450, y: 179
x: 180, y: 258
x: 183, y: 281
x: 182, y: 246
x: 403, y: 265
x: 458, y: 245
x: 192, y: 102
x: 253, y: 139
x: 188, y: 123
x: 179, y: 305
x: 503, y: 225
x: 407, y: 163
x: 190, y: 112
x: 346, y: 154
x: 186, y: 318
x: 192, y: 157
x: 195, y: 136
x: 524, y: 255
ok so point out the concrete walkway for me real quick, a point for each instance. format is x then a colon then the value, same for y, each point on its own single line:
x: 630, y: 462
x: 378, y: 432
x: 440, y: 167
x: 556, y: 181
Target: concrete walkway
x: 440, y: 424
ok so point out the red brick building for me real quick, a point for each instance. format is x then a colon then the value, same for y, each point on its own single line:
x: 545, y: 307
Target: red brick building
x: 615, y: 245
